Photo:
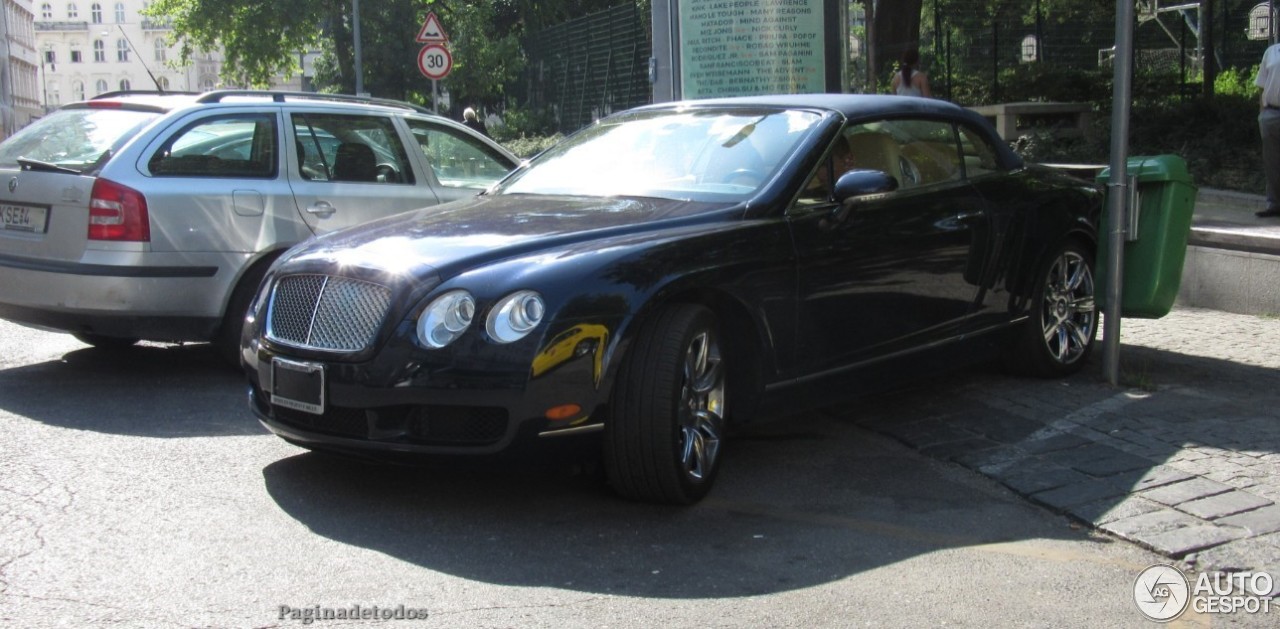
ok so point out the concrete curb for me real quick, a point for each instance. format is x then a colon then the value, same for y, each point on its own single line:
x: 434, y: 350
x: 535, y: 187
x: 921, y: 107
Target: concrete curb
x: 1233, y: 257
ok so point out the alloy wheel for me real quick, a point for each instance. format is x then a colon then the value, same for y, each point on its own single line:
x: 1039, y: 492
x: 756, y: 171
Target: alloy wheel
x: 1069, y: 312
x: 701, y: 413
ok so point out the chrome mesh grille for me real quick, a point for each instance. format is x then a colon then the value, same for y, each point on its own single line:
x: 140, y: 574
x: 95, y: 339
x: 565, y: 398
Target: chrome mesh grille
x: 324, y: 312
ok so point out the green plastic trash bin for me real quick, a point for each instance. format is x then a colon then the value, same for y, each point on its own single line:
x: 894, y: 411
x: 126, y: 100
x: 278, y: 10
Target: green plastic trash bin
x: 1152, y: 262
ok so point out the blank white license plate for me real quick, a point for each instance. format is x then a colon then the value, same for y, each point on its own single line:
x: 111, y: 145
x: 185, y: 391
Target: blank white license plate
x: 297, y: 385
x: 24, y: 218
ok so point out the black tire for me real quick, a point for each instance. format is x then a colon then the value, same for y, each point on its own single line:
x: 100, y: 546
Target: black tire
x: 1058, y: 338
x: 107, y: 343
x: 227, y: 340
x: 663, y: 437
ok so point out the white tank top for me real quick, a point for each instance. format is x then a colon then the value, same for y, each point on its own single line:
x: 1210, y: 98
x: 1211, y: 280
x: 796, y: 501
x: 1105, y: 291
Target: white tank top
x: 907, y: 89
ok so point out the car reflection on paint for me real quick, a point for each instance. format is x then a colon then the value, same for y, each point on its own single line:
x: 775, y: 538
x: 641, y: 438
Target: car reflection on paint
x: 580, y: 340
x: 674, y: 270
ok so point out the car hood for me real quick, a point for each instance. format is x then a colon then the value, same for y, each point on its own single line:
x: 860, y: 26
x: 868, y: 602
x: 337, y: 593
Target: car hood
x: 469, y: 232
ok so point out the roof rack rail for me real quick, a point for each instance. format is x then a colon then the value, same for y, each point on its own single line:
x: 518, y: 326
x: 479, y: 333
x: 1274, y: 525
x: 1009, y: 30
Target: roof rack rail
x: 279, y: 96
x: 143, y: 93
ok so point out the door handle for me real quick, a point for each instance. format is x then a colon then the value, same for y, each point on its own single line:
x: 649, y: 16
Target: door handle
x: 322, y: 209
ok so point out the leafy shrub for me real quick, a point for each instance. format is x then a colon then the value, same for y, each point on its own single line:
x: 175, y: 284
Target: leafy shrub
x: 1027, y: 82
x: 526, y: 147
x: 521, y: 122
x: 1049, y: 147
x: 1218, y: 139
x: 1237, y: 82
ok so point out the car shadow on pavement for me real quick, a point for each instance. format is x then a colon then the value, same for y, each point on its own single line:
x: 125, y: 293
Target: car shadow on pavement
x: 797, y: 504
x: 148, y: 390
x: 1183, y: 458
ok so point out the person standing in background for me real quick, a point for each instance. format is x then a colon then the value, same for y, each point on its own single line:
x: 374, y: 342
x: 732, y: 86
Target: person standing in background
x: 469, y: 118
x: 908, y: 80
x: 1269, y: 126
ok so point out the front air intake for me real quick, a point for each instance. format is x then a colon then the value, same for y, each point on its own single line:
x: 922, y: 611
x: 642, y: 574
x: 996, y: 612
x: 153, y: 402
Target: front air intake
x: 323, y: 312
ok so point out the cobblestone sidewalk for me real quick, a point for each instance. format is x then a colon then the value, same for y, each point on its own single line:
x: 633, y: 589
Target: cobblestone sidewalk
x: 1183, y: 458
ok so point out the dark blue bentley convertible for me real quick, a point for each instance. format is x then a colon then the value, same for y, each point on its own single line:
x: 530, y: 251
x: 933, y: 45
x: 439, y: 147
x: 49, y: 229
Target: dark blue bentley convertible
x: 673, y: 270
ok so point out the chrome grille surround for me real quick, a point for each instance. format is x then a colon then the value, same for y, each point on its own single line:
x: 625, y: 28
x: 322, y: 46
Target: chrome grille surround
x: 324, y: 312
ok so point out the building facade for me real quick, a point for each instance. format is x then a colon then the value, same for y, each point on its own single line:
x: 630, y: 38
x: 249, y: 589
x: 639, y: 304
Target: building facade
x: 19, y: 81
x: 87, y: 48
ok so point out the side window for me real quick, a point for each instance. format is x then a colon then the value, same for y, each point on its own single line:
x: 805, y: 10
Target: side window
x: 358, y: 149
x: 930, y: 152
x: 458, y: 160
x: 871, y: 146
x: 979, y: 156
x: 818, y: 190
x: 916, y: 153
x: 240, y: 145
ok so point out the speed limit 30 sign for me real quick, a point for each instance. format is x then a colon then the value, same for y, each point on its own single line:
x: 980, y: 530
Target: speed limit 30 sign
x: 434, y: 61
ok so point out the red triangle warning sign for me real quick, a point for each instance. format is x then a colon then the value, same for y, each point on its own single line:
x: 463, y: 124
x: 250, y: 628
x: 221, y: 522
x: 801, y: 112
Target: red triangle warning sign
x: 432, y: 31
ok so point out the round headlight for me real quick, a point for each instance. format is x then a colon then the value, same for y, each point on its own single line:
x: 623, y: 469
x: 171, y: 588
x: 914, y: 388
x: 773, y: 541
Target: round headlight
x: 446, y: 318
x: 514, y: 316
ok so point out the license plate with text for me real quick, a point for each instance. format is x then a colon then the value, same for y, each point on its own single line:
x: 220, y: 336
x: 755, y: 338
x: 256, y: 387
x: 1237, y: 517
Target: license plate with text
x: 24, y: 218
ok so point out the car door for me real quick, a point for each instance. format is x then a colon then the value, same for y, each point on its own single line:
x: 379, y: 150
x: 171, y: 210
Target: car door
x: 458, y: 163
x: 1007, y: 194
x: 350, y: 168
x: 900, y: 271
x: 214, y: 177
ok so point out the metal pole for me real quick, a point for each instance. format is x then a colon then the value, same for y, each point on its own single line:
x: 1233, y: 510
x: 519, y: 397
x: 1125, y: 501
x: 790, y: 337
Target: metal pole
x: 937, y: 32
x: 1182, y: 60
x: 355, y: 31
x: 435, y: 97
x: 1039, y: 34
x: 1118, y: 187
x: 995, y: 58
x: 44, y: 83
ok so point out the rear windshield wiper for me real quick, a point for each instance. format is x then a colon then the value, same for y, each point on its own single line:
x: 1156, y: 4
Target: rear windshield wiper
x: 34, y: 164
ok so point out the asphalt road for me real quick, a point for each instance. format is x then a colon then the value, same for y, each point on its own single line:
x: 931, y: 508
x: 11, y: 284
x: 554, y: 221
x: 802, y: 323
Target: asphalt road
x: 137, y: 490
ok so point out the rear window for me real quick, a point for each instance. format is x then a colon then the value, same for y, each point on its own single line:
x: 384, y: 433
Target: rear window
x: 74, y: 138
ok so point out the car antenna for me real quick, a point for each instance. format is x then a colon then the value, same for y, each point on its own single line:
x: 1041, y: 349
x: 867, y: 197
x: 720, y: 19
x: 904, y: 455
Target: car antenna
x: 139, y: 53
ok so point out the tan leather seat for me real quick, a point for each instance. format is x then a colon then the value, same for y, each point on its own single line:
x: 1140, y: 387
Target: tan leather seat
x: 876, y: 151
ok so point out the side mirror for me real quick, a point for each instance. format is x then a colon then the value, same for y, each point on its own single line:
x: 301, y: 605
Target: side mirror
x: 859, y: 183
x: 855, y: 186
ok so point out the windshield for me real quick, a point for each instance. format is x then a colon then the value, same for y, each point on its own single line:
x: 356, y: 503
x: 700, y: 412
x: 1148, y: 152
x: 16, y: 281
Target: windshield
x: 74, y: 138
x: 724, y: 154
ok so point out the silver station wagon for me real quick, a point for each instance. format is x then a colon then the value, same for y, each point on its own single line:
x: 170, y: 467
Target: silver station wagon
x: 145, y: 216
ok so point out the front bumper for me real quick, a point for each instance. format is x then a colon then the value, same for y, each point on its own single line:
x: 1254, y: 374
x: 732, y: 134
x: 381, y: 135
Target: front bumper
x: 388, y: 406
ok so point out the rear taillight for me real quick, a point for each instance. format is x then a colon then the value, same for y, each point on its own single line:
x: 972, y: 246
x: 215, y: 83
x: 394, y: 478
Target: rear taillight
x: 118, y: 212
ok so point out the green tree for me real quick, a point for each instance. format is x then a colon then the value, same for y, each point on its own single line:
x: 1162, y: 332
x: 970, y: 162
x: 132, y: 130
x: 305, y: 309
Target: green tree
x: 485, y: 50
x: 895, y: 28
x: 259, y: 38
x: 485, y: 43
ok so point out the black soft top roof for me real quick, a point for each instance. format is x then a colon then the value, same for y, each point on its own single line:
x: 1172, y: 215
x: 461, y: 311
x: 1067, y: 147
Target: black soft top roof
x: 850, y: 105
x: 857, y: 107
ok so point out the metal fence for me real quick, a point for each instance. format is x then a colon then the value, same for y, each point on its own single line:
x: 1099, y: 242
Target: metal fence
x: 590, y: 67
x: 976, y: 51
x: 983, y: 50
